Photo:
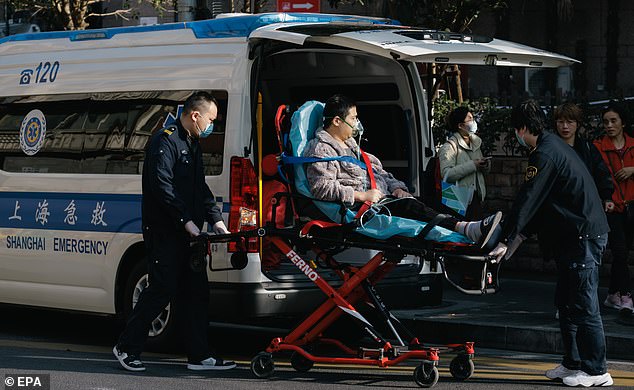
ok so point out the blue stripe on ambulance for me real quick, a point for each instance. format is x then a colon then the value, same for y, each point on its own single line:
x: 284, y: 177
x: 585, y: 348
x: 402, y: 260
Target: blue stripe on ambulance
x: 117, y: 213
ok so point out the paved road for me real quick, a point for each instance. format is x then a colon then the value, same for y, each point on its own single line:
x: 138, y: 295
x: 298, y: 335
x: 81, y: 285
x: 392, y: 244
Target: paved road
x: 75, y: 351
x: 89, y: 367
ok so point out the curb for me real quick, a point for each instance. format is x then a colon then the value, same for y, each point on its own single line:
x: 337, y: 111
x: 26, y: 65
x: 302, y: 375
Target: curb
x: 519, y: 338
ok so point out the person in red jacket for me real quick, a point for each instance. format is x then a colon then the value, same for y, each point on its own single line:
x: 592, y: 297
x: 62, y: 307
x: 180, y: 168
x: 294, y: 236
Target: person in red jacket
x: 617, y: 150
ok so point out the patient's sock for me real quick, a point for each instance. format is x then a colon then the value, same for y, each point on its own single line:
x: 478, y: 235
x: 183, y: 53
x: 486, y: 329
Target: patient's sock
x: 470, y: 229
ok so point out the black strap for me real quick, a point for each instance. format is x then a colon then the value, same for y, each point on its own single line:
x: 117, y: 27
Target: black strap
x: 432, y: 224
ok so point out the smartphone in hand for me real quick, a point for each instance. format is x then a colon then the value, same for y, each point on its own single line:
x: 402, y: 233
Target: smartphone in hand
x: 485, y: 162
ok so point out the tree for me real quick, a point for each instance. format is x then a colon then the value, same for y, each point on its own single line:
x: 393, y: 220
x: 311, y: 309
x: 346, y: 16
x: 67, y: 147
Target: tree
x: 245, y: 5
x: 74, y: 14
x: 450, y: 15
x: 444, y: 15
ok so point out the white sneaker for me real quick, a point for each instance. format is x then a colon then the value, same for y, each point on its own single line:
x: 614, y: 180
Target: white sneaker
x: 613, y: 300
x: 626, y: 302
x: 212, y: 364
x: 560, y: 372
x: 129, y: 362
x: 586, y: 380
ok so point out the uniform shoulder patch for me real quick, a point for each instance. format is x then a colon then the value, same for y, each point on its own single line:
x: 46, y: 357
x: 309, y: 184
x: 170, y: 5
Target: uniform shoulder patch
x: 531, y: 172
x: 168, y: 131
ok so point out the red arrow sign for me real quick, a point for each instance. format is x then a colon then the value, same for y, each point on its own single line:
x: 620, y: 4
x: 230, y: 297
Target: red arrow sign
x: 298, y: 5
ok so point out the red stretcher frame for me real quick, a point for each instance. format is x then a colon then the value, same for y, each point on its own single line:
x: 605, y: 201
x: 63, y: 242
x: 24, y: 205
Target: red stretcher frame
x: 342, y: 300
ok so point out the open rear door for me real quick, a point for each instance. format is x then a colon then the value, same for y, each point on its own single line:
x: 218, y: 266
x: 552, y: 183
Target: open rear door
x: 415, y: 45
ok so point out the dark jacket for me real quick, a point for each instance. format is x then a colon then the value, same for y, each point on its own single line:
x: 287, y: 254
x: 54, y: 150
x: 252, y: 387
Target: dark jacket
x: 548, y: 233
x: 595, y: 164
x: 174, y: 188
x: 558, y: 191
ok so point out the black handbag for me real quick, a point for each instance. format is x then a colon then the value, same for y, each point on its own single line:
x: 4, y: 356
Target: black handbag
x: 629, y: 211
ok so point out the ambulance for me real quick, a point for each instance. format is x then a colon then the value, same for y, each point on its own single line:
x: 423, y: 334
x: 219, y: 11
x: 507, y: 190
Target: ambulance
x: 77, y: 109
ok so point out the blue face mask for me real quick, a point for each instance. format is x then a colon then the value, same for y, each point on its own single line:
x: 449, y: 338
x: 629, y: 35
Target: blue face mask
x: 520, y: 140
x: 208, y: 130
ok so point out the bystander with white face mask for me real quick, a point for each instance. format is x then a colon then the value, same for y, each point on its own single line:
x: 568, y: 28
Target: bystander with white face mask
x: 461, y: 159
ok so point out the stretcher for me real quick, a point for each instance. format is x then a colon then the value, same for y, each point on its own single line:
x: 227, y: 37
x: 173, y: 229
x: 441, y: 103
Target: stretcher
x: 335, y: 230
x: 306, y: 340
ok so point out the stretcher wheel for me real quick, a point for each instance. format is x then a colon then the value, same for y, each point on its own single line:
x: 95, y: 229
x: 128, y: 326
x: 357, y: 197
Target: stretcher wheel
x: 300, y: 363
x: 426, y: 375
x: 461, y: 367
x: 262, y: 365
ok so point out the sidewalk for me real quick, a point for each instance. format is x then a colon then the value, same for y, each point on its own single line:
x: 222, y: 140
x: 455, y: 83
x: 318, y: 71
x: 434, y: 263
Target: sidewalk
x: 521, y: 317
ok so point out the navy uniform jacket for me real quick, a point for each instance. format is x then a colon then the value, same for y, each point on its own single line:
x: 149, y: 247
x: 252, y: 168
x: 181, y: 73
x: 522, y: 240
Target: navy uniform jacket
x: 174, y: 188
x: 558, y: 193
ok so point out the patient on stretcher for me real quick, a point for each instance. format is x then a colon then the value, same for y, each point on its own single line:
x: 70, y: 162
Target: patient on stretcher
x: 352, y: 184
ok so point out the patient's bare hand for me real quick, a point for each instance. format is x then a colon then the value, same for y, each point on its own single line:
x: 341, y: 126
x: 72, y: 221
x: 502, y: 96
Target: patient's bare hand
x: 372, y: 196
x: 401, y: 193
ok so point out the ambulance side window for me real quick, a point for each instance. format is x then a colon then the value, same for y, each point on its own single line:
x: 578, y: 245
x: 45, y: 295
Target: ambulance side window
x: 100, y: 133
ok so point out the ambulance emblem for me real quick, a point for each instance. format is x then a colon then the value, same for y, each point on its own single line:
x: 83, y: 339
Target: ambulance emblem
x: 32, y: 132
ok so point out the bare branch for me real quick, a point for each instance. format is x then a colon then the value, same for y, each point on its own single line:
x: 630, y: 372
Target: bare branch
x: 121, y: 13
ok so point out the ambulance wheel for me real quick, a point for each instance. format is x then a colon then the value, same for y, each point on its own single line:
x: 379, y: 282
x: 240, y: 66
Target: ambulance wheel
x: 163, y: 330
x: 262, y: 365
x: 461, y: 367
x: 301, y: 363
x: 426, y: 375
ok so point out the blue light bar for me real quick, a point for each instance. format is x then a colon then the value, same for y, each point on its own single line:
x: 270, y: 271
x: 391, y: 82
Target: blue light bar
x: 227, y: 27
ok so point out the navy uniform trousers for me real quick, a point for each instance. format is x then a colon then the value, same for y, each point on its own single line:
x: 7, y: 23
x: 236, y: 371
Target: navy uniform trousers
x: 171, y: 279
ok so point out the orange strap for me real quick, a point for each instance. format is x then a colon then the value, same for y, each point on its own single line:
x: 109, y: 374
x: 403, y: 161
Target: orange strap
x: 368, y: 165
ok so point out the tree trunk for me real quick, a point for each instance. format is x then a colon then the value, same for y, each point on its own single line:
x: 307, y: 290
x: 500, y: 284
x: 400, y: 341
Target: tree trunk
x: 458, y: 82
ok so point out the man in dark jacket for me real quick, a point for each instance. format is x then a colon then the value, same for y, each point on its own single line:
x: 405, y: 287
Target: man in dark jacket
x: 176, y: 202
x: 559, y: 190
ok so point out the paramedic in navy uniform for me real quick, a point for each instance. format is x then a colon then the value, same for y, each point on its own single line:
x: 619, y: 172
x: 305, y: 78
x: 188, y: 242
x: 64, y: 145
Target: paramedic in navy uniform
x: 558, y: 190
x: 176, y: 201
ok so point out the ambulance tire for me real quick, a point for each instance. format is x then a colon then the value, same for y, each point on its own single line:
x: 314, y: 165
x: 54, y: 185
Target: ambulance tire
x: 164, y: 329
